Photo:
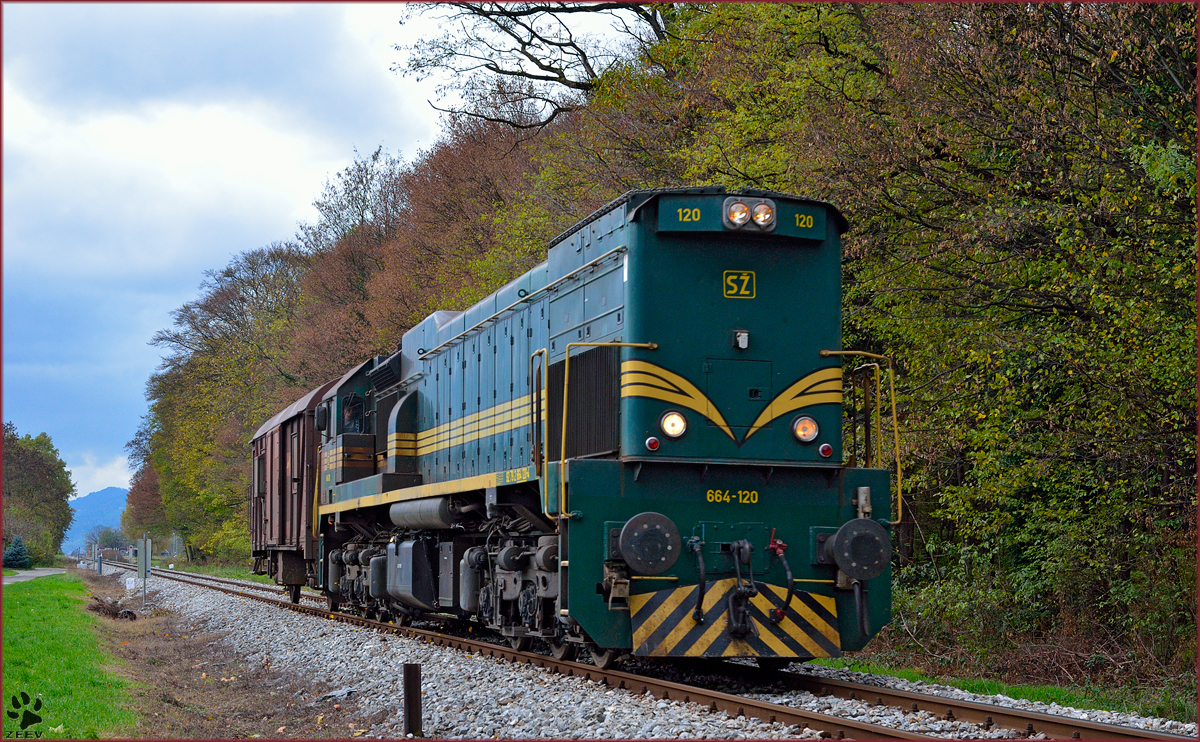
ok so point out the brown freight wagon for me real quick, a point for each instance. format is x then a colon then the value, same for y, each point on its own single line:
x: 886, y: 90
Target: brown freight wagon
x: 283, y: 485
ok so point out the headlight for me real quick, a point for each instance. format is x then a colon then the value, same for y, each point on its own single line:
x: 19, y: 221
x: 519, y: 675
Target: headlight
x: 805, y: 429
x: 673, y: 424
x: 738, y: 213
x: 764, y: 214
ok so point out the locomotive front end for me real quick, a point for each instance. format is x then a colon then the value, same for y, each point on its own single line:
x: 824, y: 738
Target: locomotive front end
x: 729, y: 524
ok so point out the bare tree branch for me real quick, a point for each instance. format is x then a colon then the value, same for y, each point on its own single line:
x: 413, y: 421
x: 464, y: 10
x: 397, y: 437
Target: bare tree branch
x: 550, y: 62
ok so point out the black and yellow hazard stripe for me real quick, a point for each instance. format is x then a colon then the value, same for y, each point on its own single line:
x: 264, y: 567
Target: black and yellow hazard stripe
x: 663, y: 625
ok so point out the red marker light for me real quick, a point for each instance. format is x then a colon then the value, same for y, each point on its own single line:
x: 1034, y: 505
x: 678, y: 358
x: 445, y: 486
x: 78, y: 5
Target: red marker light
x: 652, y: 444
x: 826, y: 450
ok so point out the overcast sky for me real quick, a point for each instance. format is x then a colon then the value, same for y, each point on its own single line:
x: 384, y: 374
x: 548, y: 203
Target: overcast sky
x: 145, y: 144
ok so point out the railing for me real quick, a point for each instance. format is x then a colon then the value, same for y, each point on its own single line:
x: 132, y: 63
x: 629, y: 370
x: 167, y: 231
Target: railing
x: 562, y: 447
x: 874, y: 457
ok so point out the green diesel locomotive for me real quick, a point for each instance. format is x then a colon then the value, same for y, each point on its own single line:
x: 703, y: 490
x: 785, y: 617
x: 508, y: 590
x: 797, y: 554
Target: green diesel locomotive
x: 636, y: 447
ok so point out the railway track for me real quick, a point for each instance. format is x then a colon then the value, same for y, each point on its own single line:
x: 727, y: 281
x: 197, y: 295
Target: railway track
x: 1027, y: 723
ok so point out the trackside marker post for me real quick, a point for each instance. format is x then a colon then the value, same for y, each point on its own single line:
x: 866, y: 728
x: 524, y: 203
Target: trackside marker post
x: 143, y: 563
x: 412, y: 699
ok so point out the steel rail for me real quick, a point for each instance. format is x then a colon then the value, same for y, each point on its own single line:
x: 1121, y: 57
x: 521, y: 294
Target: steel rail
x: 239, y: 583
x: 830, y: 726
x: 984, y: 714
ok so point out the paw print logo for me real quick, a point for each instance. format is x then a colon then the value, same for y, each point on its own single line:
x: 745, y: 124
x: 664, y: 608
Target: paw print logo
x: 29, y: 717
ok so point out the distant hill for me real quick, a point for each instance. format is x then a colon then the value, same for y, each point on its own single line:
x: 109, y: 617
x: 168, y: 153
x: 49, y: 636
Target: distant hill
x: 101, y: 508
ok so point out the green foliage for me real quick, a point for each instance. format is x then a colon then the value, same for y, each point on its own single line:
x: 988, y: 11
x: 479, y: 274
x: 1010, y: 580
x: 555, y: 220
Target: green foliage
x: 227, y: 372
x: 37, y: 487
x: 16, y: 555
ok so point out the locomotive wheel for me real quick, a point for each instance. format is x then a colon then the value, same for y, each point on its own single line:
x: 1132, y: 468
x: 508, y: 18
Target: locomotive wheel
x: 563, y: 651
x: 772, y: 663
x: 332, y: 604
x: 520, y: 643
x: 605, y: 659
x: 294, y: 593
x: 403, y: 619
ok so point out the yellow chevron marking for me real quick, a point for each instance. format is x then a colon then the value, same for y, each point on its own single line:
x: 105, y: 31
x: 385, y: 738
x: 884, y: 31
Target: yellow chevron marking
x: 768, y: 637
x: 740, y: 648
x: 643, y: 379
x: 670, y: 604
x: 789, y: 627
x: 830, y: 632
x: 819, y: 387
x: 708, y: 637
x: 776, y: 637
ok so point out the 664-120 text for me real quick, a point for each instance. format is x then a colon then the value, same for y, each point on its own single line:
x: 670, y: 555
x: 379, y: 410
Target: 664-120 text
x: 745, y: 497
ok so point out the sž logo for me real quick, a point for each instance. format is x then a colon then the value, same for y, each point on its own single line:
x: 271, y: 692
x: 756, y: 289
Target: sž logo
x: 24, y: 711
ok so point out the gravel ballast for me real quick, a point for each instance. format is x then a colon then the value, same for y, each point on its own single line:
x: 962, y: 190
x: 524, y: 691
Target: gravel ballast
x: 463, y: 695
x: 471, y: 696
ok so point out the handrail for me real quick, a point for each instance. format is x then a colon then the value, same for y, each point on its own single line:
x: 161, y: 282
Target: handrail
x: 527, y: 298
x: 536, y: 413
x: 895, y: 420
x: 878, y: 455
x: 316, y: 515
x: 562, y: 433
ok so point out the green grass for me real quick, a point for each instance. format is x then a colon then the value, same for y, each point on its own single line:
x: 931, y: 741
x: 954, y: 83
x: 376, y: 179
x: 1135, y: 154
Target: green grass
x: 51, y: 652
x: 10, y: 572
x: 1168, y: 702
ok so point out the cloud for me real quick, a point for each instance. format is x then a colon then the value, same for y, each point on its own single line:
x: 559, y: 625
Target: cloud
x: 112, y: 193
x: 92, y: 476
x: 147, y: 143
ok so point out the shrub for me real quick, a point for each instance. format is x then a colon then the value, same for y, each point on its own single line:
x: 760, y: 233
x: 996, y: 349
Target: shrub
x: 16, y: 555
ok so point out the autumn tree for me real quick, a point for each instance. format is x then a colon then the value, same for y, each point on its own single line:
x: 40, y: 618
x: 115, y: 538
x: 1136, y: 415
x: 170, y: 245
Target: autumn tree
x: 226, y: 371
x: 144, y: 511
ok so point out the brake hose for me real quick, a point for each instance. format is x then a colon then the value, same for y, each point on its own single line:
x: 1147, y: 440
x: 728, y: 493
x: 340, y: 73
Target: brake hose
x: 860, y: 606
x: 777, y: 547
x: 697, y: 547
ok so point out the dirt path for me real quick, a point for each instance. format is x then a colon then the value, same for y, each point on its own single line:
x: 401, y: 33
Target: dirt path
x: 187, y: 685
x: 29, y: 574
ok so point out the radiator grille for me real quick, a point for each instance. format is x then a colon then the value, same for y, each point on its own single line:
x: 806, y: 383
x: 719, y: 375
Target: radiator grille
x: 592, y: 411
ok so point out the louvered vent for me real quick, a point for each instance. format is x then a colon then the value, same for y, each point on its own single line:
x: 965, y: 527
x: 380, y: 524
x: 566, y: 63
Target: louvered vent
x: 593, y: 407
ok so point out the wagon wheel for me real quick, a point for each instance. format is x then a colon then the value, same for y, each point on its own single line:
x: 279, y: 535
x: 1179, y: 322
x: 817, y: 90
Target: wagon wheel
x: 332, y: 603
x: 562, y: 650
x: 520, y: 643
x: 605, y: 659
